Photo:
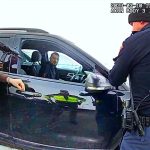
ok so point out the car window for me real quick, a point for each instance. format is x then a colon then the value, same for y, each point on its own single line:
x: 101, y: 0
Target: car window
x: 8, y: 63
x: 71, y: 66
x: 1, y: 60
x: 29, y: 64
x: 26, y: 55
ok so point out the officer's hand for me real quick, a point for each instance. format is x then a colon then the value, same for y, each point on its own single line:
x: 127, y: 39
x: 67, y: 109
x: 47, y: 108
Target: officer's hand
x: 17, y: 83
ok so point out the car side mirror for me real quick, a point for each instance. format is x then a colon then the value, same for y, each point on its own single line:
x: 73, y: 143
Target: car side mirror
x: 96, y: 83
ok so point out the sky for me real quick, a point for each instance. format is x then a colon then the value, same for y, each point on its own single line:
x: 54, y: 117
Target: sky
x: 89, y: 24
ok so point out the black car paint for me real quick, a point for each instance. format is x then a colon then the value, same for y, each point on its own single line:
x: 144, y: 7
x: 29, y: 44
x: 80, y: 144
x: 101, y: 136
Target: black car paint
x: 26, y: 121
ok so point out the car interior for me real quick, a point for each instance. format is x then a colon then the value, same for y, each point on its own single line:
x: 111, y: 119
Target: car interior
x: 35, y: 55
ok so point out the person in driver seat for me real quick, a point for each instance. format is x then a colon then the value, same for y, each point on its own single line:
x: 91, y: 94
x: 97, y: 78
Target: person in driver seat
x: 50, y: 70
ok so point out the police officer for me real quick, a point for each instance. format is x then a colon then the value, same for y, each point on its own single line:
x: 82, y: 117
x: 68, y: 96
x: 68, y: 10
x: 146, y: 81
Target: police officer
x: 134, y: 60
x: 15, y: 82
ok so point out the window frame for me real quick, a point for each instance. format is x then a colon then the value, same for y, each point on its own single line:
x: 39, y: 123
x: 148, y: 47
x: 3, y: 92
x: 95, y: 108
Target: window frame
x: 63, y: 48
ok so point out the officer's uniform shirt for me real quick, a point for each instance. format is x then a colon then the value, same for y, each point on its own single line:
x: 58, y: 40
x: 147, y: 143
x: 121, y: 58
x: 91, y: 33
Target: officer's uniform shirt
x: 134, y: 59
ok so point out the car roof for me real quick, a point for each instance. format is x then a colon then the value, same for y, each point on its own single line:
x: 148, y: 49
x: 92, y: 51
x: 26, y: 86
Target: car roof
x: 23, y: 31
x: 36, y: 31
x: 30, y: 31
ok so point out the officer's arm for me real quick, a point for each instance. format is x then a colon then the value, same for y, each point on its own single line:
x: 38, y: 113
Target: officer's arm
x: 134, y: 49
x: 119, y: 72
x: 125, y: 61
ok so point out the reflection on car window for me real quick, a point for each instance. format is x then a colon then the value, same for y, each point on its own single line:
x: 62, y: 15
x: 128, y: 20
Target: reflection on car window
x: 8, y: 62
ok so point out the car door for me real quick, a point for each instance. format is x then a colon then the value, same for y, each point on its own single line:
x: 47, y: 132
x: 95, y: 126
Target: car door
x: 6, y: 135
x: 56, y: 113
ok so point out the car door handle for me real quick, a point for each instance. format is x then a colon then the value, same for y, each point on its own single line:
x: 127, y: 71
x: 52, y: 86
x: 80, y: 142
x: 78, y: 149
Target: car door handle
x: 29, y: 94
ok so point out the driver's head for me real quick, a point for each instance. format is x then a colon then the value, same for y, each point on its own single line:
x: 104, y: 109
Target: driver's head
x: 54, y: 58
x: 139, y: 18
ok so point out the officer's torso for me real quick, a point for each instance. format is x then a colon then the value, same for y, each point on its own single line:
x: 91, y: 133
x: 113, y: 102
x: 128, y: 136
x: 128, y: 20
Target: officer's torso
x: 140, y: 78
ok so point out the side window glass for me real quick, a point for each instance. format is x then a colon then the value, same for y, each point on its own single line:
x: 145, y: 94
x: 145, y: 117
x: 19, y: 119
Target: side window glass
x: 8, y: 63
x: 1, y: 60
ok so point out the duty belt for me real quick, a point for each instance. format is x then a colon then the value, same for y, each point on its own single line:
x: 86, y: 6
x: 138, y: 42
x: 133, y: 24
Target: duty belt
x: 145, y: 121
